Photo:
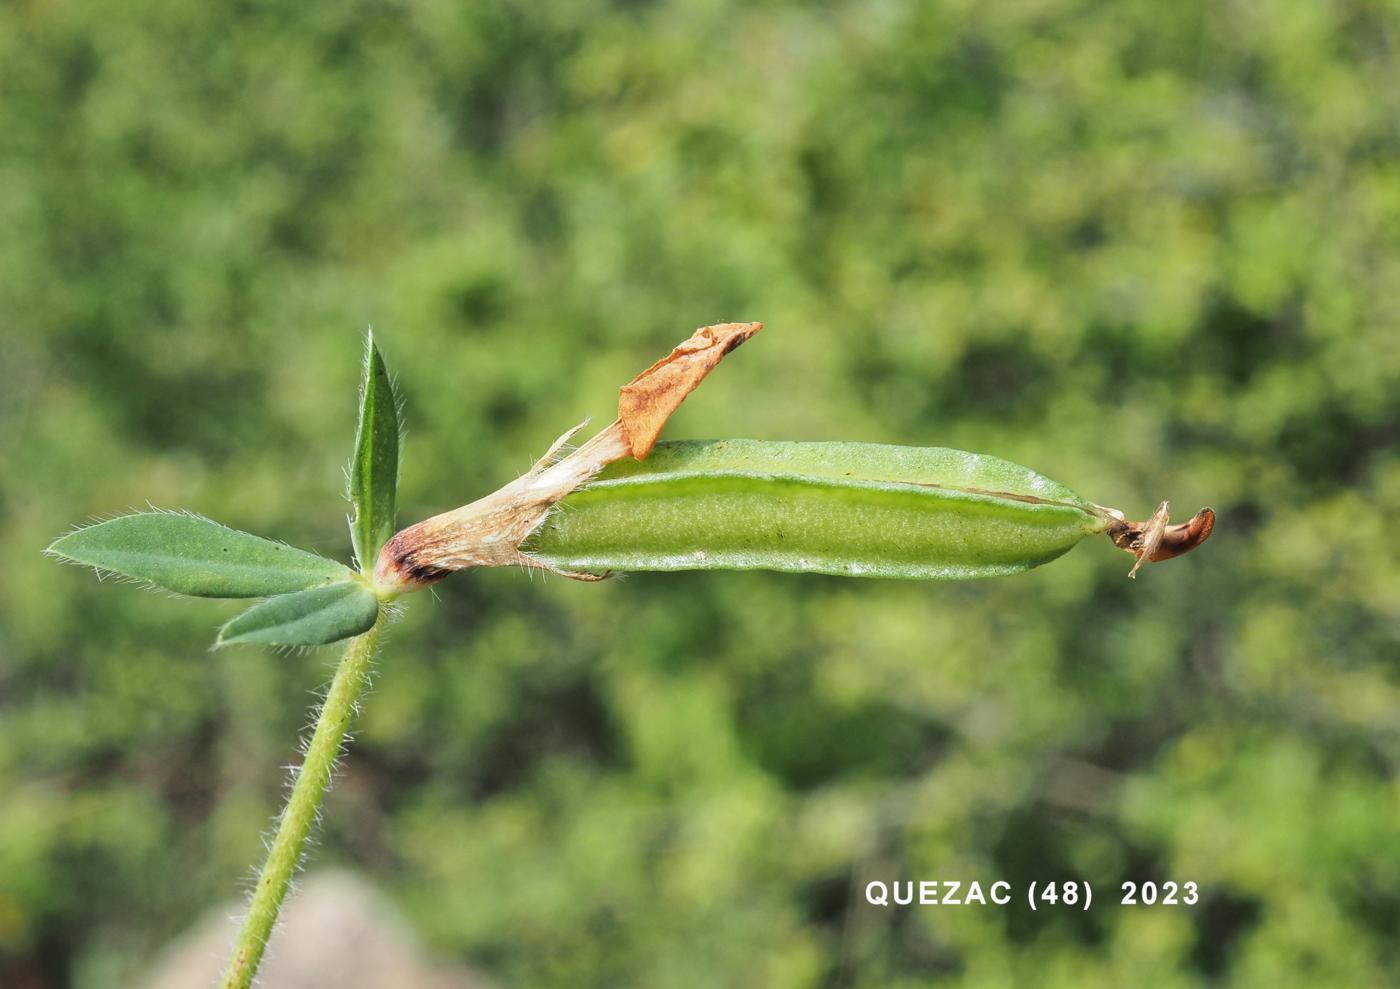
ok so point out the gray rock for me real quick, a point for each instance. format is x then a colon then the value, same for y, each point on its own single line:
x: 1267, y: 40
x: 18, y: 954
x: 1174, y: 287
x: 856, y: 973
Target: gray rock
x: 336, y: 930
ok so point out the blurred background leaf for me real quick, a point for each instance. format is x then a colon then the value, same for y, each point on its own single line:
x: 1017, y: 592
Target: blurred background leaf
x: 1149, y: 250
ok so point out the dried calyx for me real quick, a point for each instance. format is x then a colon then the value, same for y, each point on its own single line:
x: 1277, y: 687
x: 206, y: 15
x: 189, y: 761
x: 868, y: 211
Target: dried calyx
x: 488, y: 532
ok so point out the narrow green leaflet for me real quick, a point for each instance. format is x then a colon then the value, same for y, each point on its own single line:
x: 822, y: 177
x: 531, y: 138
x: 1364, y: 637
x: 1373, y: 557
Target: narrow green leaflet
x: 192, y: 555
x: 306, y: 618
x: 374, y: 473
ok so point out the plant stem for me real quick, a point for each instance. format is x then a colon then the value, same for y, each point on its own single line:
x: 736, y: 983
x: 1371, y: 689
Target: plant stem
x: 299, y: 815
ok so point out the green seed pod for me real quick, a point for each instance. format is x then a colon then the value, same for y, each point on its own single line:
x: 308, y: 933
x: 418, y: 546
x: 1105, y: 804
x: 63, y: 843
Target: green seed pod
x: 856, y: 509
x: 620, y: 502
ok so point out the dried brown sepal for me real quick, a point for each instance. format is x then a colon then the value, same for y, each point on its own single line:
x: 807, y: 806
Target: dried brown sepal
x: 1155, y: 540
x: 489, y: 531
x: 648, y: 400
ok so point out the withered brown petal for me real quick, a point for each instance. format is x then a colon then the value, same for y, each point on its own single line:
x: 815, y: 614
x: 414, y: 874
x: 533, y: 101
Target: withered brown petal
x: 648, y: 400
x: 1185, y: 537
x: 1154, y: 540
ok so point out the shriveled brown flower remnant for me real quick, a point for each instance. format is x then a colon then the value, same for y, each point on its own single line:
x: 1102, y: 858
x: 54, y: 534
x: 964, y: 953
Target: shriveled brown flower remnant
x: 647, y: 401
x: 1154, y: 540
x: 488, y: 532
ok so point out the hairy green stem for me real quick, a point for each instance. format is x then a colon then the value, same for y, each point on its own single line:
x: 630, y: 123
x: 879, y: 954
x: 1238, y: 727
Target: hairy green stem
x: 299, y: 815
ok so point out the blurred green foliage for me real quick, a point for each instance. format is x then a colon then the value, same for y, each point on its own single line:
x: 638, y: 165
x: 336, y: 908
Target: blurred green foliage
x: 1151, y: 250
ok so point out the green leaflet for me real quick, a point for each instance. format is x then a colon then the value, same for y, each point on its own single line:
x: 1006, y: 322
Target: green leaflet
x: 192, y: 555
x: 856, y: 509
x: 307, y: 618
x: 374, y: 471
